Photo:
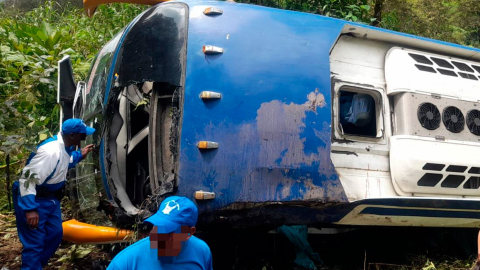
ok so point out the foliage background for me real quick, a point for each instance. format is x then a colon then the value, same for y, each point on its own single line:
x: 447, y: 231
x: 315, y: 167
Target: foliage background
x: 35, y: 34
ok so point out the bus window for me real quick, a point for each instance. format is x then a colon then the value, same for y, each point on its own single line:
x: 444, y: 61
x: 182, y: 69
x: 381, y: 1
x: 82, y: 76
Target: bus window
x: 98, y: 76
x: 359, y: 113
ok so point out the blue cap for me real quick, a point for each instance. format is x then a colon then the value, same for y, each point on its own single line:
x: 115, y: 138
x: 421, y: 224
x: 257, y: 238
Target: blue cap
x: 75, y: 125
x: 174, y: 212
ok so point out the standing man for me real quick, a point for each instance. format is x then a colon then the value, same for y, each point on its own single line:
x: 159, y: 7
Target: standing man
x: 37, y: 194
x: 171, y: 244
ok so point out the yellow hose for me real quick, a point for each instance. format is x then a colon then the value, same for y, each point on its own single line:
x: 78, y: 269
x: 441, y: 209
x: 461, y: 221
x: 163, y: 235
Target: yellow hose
x: 83, y: 233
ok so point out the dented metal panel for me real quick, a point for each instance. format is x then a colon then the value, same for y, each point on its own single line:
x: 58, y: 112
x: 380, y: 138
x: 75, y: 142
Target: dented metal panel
x: 273, y: 121
x: 154, y: 48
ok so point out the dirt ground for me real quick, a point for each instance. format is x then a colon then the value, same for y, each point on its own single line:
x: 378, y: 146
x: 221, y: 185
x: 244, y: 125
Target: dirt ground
x: 68, y: 256
x: 10, y: 246
x: 366, y: 248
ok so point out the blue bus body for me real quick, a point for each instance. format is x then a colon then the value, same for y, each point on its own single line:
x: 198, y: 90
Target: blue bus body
x: 273, y: 123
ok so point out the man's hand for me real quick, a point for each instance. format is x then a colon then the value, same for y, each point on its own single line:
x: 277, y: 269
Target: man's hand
x: 32, y: 219
x: 87, y: 149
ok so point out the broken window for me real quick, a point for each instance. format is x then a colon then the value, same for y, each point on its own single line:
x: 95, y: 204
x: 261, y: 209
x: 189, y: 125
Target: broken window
x: 87, y: 188
x: 357, y: 113
x: 96, y: 83
x: 141, y: 89
x: 128, y: 142
x: 142, y: 141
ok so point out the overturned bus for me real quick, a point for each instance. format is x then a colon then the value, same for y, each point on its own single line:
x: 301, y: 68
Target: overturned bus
x: 267, y: 117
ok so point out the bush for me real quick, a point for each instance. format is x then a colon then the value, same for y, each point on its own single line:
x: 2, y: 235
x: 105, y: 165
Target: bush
x: 31, y: 44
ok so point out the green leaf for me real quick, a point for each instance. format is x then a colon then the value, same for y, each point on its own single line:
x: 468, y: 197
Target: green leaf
x: 39, y: 41
x: 27, y: 173
x: 43, y: 136
x: 8, y: 143
x: 6, y: 149
x: 64, y: 258
x: 144, y: 101
x: 30, y: 147
x: 47, y: 81
x: 66, y: 51
x: 19, y: 47
x: 366, y: 7
x: 56, y: 38
x: 41, y: 35
x: 27, y: 184
x: 82, y: 253
x: 14, y: 57
x: 46, y: 29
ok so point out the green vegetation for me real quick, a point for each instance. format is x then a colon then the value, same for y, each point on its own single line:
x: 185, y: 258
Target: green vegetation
x: 31, y: 43
x: 448, y: 20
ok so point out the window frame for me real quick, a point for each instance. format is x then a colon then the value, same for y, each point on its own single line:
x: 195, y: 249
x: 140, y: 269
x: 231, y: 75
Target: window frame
x: 80, y: 96
x: 378, y: 96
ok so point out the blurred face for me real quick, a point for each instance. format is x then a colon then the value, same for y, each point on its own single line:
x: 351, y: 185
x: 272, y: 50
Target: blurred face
x: 76, y: 138
x: 169, y: 244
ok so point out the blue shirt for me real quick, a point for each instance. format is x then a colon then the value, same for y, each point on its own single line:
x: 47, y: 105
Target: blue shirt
x: 195, y: 255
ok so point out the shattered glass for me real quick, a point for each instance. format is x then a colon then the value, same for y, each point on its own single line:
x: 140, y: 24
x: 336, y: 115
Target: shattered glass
x: 97, y: 80
x: 88, y: 185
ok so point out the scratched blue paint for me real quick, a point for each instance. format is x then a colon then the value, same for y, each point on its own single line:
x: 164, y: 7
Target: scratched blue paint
x: 273, y: 61
x: 318, y: 181
x: 312, y: 142
x: 278, y: 161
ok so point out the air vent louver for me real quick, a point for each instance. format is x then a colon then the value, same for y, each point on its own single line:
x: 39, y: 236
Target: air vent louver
x: 453, y: 119
x: 428, y: 116
x: 473, y: 121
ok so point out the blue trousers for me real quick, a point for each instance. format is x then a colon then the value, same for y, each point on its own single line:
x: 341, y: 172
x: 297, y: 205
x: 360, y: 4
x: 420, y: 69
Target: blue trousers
x: 40, y: 244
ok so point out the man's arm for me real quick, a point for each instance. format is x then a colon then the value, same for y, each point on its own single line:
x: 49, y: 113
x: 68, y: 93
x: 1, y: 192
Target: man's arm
x: 210, y: 264
x: 208, y: 257
x: 79, y: 155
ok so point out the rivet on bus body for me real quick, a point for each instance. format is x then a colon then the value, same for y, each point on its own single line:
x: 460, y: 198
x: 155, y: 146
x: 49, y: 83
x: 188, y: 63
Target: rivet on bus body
x: 204, y: 195
x: 204, y: 145
x: 210, y: 95
x: 209, y: 49
x: 212, y: 11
